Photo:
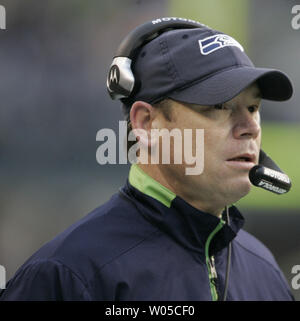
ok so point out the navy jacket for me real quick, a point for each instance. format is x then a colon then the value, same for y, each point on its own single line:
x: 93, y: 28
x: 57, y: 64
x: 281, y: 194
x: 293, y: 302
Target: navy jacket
x: 146, y: 243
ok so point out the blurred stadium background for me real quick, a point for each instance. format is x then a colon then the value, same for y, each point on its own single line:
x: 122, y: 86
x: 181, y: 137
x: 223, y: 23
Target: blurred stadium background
x: 54, y: 59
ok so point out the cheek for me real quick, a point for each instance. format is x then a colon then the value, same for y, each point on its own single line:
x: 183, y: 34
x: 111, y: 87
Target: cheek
x: 214, y: 143
x: 258, y: 140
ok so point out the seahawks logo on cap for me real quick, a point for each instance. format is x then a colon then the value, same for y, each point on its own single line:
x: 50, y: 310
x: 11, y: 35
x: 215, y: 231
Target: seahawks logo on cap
x: 213, y: 43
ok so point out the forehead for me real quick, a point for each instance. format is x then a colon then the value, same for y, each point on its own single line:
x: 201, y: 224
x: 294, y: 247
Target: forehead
x: 251, y: 91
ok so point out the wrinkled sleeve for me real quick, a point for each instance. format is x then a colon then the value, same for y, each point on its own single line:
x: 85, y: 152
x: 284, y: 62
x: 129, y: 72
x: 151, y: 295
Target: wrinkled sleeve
x: 45, y: 280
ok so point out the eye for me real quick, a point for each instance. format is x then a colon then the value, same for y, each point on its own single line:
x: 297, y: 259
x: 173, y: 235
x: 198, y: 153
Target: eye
x: 223, y: 107
x: 219, y: 106
x: 253, y: 108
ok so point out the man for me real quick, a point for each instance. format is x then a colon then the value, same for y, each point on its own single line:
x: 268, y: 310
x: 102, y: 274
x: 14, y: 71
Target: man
x: 167, y: 235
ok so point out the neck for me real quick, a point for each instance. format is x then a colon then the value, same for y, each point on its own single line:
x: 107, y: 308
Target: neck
x: 157, y: 173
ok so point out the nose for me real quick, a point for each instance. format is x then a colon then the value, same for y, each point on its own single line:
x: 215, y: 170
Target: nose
x: 246, y: 125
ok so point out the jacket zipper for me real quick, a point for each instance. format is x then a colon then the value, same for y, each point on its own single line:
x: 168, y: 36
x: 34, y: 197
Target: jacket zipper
x: 210, y: 263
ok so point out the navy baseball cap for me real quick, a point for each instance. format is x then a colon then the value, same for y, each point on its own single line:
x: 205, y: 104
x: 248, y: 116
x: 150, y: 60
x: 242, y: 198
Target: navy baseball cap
x: 200, y: 66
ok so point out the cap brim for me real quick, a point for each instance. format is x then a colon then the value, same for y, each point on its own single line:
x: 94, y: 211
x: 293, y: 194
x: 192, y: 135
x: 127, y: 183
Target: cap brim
x: 273, y: 84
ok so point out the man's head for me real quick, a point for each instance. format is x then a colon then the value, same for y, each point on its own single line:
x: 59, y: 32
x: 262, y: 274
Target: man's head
x: 206, y: 81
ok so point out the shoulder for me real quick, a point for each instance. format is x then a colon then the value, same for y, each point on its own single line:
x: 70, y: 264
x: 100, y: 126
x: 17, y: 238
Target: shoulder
x: 97, y: 239
x: 69, y: 266
x: 45, y: 280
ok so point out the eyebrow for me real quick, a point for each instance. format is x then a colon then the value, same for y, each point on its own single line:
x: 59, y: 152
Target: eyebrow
x: 257, y: 94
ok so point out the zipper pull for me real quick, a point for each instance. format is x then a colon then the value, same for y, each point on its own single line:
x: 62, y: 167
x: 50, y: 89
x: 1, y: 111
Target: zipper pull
x: 213, y: 268
x: 214, y: 279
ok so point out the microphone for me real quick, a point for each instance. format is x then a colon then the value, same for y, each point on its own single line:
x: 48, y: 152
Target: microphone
x: 270, y: 179
x: 269, y: 176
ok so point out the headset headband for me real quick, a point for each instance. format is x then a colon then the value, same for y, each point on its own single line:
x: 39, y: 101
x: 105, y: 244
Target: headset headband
x: 120, y: 80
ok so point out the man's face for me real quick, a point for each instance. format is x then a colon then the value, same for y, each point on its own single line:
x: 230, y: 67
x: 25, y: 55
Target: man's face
x: 232, y: 137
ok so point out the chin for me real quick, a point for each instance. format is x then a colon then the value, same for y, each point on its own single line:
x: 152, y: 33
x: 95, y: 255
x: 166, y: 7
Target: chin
x: 239, y: 189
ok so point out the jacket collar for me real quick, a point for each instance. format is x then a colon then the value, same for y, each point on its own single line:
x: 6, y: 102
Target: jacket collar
x: 170, y: 213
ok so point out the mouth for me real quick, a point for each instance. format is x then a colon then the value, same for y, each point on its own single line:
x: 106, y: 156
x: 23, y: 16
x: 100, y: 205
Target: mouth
x: 243, y: 161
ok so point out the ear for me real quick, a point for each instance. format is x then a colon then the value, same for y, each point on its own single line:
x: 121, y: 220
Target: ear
x: 142, y: 115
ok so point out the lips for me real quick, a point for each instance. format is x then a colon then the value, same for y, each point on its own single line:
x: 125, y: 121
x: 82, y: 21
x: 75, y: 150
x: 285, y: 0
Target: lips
x: 242, y: 162
x: 248, y: 158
